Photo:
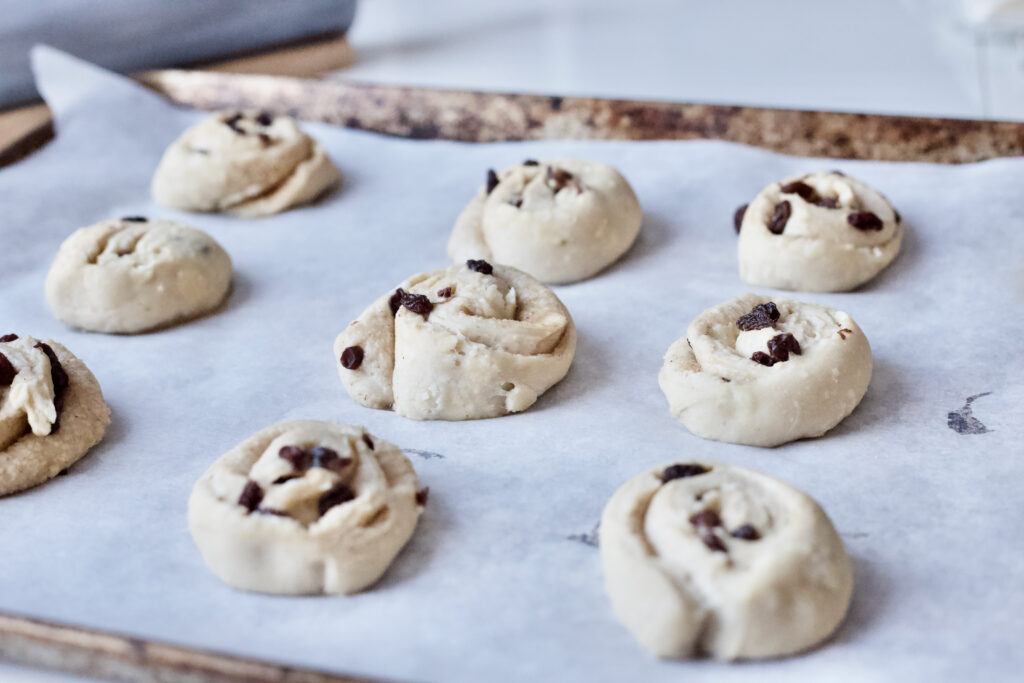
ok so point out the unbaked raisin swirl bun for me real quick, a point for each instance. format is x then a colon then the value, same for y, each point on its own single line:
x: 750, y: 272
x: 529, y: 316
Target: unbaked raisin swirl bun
x: 471, y: 341
x: 763, y: 372
x: 559, y: 220
x: 51, y: 411
x: 305, y: 507
x: 702, y: 558
x: 817, y: 232
x: 246, y: 163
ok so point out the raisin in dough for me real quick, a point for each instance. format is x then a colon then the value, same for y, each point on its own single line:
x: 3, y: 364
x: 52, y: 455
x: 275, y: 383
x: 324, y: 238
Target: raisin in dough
x: 51, y: 411
x: 818, y: 232
x: 560, y: 221
x: 133, y: 275
x: 763, y: 372
x: 243, y: 163
x: 468, y: 342
x: 706, y: 558
x: 305, y: 507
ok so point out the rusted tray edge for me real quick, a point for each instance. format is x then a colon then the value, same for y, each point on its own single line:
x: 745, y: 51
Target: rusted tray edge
x: 88, y: 652
x: 490, y: 117
x: 422, y: 113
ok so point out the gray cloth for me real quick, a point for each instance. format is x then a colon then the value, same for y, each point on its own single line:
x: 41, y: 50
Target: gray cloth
x: 128, y: 35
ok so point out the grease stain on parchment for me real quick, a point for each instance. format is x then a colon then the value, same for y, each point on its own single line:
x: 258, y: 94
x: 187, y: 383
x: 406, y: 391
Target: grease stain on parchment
x: 962, y: 420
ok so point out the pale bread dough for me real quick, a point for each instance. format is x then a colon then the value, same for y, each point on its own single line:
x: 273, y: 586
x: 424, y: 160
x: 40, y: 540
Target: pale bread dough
x: 331, y: 526
x: 245, y: 163
x: 557, y: 228
x: 761, y: 572
x: 126, y: 276
x: 491, y: 347
x: 44, y: 429
x: 716, y: 390
x: 818, y: 250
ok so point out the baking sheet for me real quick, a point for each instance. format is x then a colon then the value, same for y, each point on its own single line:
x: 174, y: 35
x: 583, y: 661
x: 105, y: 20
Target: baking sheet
x: 502, y: 581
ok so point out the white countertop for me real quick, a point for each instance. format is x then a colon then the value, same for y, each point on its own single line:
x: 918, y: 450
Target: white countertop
x: 888, y: 56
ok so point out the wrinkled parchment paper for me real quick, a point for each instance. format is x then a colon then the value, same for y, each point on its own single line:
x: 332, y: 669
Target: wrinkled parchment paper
x: 502, y: 581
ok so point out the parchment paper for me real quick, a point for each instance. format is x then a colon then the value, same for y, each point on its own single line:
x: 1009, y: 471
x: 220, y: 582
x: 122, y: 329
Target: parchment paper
x: 501, y: 581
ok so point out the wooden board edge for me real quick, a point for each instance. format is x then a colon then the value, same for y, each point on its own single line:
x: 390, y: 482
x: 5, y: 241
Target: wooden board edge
x: 87, y: 652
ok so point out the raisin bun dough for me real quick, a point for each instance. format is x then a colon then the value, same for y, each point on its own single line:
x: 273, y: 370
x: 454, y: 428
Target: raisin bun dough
x: 559, y: 220
x: 246, y: 163
x: 472, y: 341
x: 703, y: 558
x: 764, y: 372
x: 305, y: 507
x: 817, y: 232
x: 51, y: 411
x: 133, y: 275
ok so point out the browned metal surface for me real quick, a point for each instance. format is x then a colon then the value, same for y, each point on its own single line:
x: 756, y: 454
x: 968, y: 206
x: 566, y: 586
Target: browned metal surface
x: 34, y: 642
x: 489, y: 117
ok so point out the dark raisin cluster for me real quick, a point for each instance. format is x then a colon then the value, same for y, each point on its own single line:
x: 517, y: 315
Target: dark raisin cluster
x: 760, y: 316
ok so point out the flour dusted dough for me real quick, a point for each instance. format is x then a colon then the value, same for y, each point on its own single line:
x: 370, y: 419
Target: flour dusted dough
x: 488, y: 342
x: 246, y: 163
x: 707, y: 558
x: 559, y: 220
x: 819, y: 247
x: 133, y: 275
x: 305, y: 507
x: 51, y: 414
x: 715, y: 388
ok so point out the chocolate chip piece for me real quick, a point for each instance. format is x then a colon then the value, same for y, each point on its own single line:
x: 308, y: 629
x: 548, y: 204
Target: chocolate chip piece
x: 806, y: 192
x: 417, y: 303
x: 760, y: 316
x: 829, y: 202
x: 708, y: 519
x: 135, y: 219
x: 737, y: 218
x: 683, y: 470
x: 266, y: 140
x: 265, y: 118
x: 531, y: 162
x: 422, y: 495
x: 480, y: 266
x: 747, y: 532
x: 7, y: 371
x: 492, y: 180
x: 328, y: 459
x: 299, y: 457
x: 896, y: 214
x: 285, y: 477
x: 777, y: 223
x: 352, y: 357
x: 8, y: 338
x: 725, y: 379
x: 781, y: 345
x: 713, y: 542
x: 762, y: 358
x: 337, y: 495
x: 251, y: 496
x: 864, y: 220
x: 558, y: 178
x: 517, y: 202
x: 368, y: 441
x: 396, y: 300
x: 232, y: 123
x: 445, y: 293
